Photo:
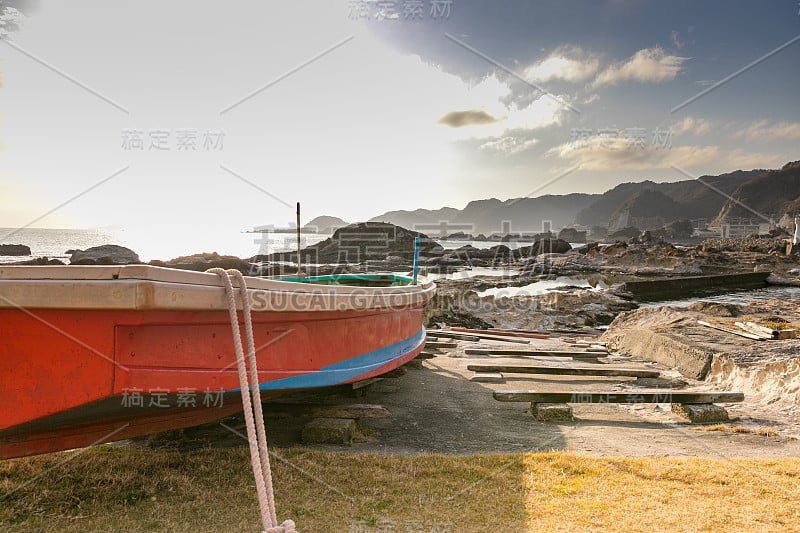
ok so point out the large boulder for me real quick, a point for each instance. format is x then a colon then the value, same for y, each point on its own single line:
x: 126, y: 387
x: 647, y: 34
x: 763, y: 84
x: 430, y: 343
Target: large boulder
x: 543, y: 246
x: 572, y: 235
x: 204, y: 261
x: 14, y: 249
x: 364, y: 241
x: 39, y: 261
x: 107, y: 254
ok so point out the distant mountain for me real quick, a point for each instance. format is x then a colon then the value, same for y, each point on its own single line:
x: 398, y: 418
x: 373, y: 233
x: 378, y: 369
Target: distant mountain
x: 325, y: 224
x: 418, y: 217
x: 519, y: 215
x: 647, y: 209
x: 771, y: 195
x: 644, y: 205
x: 701, y: 198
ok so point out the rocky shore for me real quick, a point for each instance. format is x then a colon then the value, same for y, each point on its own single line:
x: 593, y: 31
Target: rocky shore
x: 601, y: 268
x: 551, y: 286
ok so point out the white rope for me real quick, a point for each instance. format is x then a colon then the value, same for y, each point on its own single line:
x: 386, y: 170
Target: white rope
x: 251, y: 403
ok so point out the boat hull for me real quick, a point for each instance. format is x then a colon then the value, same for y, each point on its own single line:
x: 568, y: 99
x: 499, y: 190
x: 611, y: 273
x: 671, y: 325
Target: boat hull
x: 77, y: 377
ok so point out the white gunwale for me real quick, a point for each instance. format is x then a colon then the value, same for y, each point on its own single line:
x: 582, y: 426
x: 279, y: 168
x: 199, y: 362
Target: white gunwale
x: 144, y: 287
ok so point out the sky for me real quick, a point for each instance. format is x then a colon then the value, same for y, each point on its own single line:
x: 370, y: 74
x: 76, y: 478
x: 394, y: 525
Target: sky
x: 193, y: 116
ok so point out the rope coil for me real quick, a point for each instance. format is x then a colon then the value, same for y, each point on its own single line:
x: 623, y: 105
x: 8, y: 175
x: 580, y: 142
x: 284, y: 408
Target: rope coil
x: 251, y: 402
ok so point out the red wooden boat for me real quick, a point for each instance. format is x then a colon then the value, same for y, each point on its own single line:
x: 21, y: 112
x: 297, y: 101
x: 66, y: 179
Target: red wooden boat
x: 103, y: 353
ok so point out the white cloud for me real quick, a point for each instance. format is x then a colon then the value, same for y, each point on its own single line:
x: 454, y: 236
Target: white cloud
x: 649, y: 65
x: 764, y: 130
x: 488, y: 96
x: 693, y: 125
x: 598, y: 153
x: 675, y: 37
x: 509, y: 145
x: 566, y: 63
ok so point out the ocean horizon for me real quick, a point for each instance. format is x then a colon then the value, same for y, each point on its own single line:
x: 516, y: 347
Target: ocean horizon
x: 54, y: 243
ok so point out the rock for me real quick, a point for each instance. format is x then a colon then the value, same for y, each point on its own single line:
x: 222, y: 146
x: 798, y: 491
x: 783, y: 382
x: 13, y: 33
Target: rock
x: 497, y: 252
x: 543, y: 246
x: 459, y: 236
x: 615, y: 250
x: 716, y: 309
x: 14, y: 249
x: 624, y: 234
x: 202, y: 262
x: 749, y: 244
x: 329, y: 431
x: 572, y: 235
x: 591, y: 248
x: 647, y: 237
x: 552, y: 412
x: 365, y: 241
x: 652, y: 334
x: 40, y: 261
x: 701, y: 412
x: 107, y: 254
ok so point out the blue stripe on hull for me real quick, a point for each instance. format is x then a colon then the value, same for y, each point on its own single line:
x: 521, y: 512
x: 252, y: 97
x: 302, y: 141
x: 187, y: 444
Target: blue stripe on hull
x: 348, y: 370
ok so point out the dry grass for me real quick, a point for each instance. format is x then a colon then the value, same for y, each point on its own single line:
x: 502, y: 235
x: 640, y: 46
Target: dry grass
x: 212, y: 490
x: 764, y: 431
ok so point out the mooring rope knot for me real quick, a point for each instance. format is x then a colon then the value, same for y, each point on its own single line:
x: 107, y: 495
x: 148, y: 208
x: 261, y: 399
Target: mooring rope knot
x: 251, y: 402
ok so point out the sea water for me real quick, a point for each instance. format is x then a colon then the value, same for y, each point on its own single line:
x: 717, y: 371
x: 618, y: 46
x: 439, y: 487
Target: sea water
x: 54, y: 243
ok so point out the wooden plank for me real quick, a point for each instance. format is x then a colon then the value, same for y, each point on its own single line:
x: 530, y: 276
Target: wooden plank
x: 576, y: 332
x: 425, y: 355
x: 503, y: 333
x: 473, y: 337
x: 487, y: 377
x: 457, y: 336
x: 537, y: 353
x: 643, y: 396
x: 567, y: 370
x: 731, y: 330
x: 519, y: 330
x: 757, y: 329
x: 579, y: 342
x: 441, y: 344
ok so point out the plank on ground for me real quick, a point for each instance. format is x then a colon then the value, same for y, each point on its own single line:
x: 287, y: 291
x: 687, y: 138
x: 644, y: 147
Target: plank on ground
x: 567, y: 370
x: 488, y: 377
x: 440, y: 344
x: 540, y: 353
x: 643, y: 396
x: 503, y: 333
x: 469, y: 336
x: 732, y: 331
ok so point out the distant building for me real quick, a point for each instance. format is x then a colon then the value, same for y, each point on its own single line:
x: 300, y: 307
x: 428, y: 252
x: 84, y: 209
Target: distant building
x: 743, y: 230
